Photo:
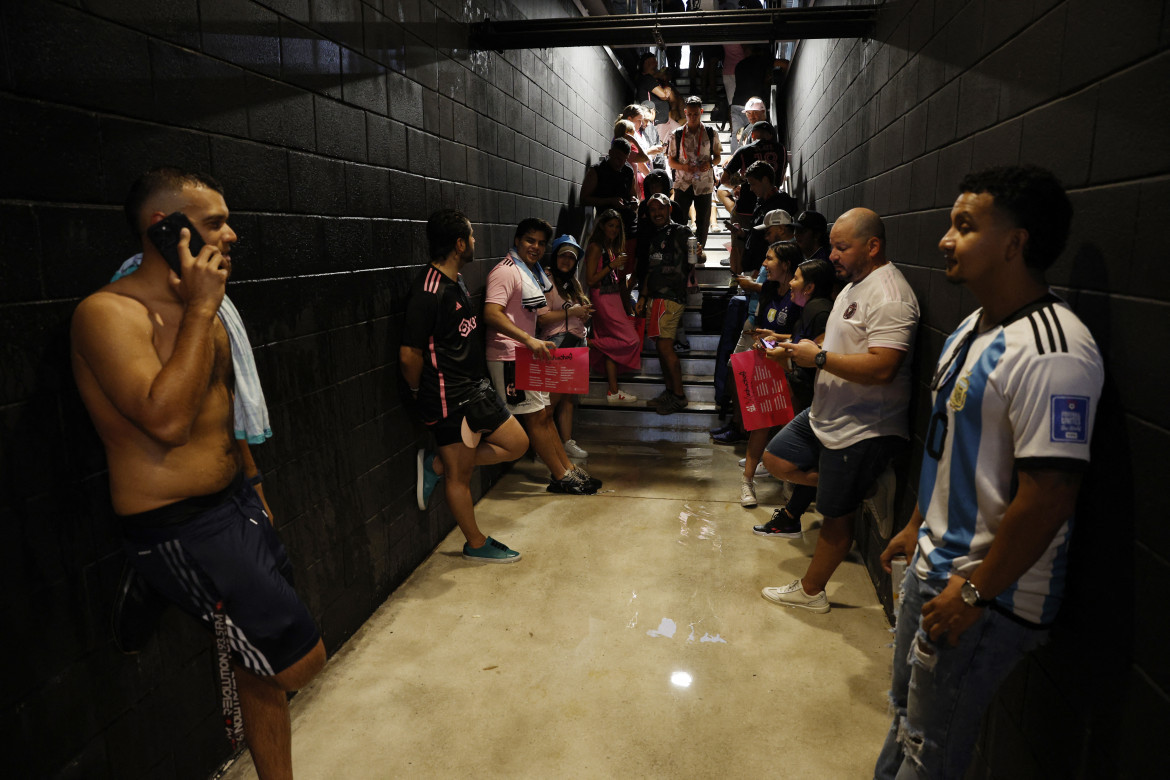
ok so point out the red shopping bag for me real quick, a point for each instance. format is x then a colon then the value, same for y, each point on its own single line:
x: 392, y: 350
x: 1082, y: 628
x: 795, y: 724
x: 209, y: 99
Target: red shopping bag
x: 567, y: 371
x: 764, y: 397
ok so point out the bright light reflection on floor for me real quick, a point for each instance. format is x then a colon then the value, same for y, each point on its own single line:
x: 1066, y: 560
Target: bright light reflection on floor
x: 681, y: 679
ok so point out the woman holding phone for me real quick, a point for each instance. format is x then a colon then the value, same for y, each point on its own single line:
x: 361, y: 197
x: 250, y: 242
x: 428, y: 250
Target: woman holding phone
x: 777, y: 310
x: 812, y: 287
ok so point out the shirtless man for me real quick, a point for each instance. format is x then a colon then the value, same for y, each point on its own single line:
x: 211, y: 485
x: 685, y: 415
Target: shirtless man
x: 153, y: 364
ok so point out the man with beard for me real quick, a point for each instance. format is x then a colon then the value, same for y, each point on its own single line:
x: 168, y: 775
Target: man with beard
x: 153, y: 357
x: 442, y: 361
x: 859, y: 419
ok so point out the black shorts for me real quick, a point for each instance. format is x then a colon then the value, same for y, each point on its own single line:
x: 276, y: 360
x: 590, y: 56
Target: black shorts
x: 485, y: 412
x: 230, y: 555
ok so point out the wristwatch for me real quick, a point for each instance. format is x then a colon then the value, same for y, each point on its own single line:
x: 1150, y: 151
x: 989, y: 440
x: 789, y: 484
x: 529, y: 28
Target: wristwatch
x: 820, y: 358
x: 970, y: 595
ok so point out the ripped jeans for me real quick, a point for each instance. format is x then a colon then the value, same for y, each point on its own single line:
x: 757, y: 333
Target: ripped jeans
x: 939, y: 693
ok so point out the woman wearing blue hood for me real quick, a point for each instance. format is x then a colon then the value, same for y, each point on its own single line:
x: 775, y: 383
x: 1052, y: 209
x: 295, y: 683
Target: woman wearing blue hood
x: 563, y: 322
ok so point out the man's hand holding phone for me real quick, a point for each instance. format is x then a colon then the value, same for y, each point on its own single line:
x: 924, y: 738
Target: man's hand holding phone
x: 204, y: 276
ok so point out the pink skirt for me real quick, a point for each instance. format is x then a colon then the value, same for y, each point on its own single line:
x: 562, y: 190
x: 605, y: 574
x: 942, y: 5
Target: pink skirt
x: 614, y: 335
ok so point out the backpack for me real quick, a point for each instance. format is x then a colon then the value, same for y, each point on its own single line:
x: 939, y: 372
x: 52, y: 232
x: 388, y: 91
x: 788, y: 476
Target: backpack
x: 678, y: 136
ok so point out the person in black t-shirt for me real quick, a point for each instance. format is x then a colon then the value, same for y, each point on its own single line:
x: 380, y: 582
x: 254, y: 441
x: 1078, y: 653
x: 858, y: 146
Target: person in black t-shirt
x: 649, y: 86
x: 761, y: 179
x: 609, y: 184
x: 764, y: 147
x: 753, y: 77
x: 442, y: 361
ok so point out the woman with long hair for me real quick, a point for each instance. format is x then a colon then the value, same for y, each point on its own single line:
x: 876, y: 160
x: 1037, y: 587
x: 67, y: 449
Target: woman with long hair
x: 776, y: 309
x: 812, y: 287
x: 563, y: 323
x: 615, y: 346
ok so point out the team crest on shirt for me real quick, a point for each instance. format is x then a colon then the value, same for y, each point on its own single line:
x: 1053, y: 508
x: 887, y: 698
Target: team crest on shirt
x: 959, y: 394
x: 771, y: 315
x: 850, y: 311
x: 466, y: 326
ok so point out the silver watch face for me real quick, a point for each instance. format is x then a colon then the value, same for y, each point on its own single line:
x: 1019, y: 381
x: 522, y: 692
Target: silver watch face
x: 969, y: 594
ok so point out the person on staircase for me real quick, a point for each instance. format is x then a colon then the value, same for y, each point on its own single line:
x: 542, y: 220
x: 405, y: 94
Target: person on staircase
x: 616, y: 347
x: 692, y: 153
x: 662, y: 297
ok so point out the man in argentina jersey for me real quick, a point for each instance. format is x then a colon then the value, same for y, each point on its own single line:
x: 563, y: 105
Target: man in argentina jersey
x: 442, y: 361
x: 1014, y: 396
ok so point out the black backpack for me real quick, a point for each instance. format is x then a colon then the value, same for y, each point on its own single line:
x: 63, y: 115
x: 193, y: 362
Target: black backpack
x: 678, y: 139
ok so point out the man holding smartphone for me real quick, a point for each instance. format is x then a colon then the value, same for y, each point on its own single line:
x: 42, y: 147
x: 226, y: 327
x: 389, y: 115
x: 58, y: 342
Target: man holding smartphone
x: 859, y: 418
x: 153, y: 364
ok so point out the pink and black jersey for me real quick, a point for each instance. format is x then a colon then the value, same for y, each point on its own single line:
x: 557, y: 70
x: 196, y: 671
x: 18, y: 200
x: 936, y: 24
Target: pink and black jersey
x: 441, y: 322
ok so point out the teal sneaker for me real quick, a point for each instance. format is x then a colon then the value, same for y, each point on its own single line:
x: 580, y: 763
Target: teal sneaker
x: 427, y: 479
x: 491, y: 552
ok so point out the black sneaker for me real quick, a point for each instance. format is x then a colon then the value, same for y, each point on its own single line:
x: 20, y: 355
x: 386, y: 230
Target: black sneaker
x: 780, y: 526
x: 731, y: 436
x: 671, y: 404
x: 722, y: 429
x: 591, y: 482
x: 682, y: 347
x: 569, y: 485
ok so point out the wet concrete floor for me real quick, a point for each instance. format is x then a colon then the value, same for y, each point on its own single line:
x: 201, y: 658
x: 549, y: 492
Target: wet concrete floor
x: 630, y: 641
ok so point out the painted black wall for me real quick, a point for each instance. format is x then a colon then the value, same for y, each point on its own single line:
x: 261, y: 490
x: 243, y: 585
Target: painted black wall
x: 336, y: 127
x: 1078, y: 86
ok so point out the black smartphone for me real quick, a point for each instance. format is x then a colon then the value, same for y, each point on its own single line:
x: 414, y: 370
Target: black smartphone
x: 165, y: 235
x: 727, y: 223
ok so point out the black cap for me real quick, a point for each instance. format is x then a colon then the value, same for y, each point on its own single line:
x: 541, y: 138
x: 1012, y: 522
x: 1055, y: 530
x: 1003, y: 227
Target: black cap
x: 813, y: 220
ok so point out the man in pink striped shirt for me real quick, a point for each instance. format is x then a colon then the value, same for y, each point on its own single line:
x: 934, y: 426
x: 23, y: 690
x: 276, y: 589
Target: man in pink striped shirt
x: 442, y: 361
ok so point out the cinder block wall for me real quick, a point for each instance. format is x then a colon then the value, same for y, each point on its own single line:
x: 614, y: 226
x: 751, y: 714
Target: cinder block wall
x: 336, y: 126
x: 892, y: 123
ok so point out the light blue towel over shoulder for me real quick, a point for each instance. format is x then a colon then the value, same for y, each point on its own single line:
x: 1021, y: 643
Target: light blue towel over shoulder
x: 251, y: 412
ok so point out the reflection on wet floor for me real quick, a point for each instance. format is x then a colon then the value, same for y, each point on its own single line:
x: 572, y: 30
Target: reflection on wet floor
x: 559, y: 676
x: 666, y: 628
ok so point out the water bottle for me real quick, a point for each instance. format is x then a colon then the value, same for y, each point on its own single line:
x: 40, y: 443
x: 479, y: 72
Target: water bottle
x: 693, y: 251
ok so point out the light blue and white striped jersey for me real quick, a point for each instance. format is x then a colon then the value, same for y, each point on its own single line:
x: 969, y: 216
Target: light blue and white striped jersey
x: 1022, y: 393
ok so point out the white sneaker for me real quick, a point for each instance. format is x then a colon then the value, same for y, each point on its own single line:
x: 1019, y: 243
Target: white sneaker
x: 747, y: 494
x: 760, y: 470
x: 573, y: 450
x: 620, y: 397
x: 881, y: 503
x: 793, y: 595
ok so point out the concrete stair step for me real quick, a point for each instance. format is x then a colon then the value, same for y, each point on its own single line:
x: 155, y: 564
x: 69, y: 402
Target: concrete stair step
x: 698, y: 390
x: 701, y: 366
